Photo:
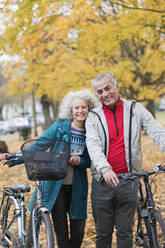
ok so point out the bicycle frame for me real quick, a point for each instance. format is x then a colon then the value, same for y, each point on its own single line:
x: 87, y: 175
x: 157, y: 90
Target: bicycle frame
x: 19, y: 201
x: 31, y: 155
x: 39, y: 218
x: 19, y: 214
x: 147, y: 209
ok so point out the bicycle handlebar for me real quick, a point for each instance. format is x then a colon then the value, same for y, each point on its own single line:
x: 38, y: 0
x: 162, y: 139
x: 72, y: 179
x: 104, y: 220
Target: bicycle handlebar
x: 10, y: 157
x: 131, y: 175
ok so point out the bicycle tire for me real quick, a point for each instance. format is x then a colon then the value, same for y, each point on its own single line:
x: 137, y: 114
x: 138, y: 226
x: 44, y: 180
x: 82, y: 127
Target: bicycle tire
x: 44, y: 231
x: 159, y: 227
x: 44, y: 222
x: 10, y: 225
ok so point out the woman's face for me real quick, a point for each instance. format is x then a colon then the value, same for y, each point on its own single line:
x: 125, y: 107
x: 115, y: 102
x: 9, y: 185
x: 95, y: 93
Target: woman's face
x: 79, y: 110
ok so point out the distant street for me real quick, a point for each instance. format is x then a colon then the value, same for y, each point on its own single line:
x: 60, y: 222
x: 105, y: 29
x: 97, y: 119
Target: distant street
x: 9, y: 137
x: 16, y: 136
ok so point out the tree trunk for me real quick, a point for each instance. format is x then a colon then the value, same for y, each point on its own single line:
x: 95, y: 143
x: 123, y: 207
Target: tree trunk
x: 46, y: 110
x: 1, y: 117
x: 55, y: 105
x: 151, y: 107
x: 34, y: 113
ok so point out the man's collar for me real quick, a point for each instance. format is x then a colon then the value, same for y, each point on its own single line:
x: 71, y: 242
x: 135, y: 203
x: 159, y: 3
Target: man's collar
x: 118, y: 104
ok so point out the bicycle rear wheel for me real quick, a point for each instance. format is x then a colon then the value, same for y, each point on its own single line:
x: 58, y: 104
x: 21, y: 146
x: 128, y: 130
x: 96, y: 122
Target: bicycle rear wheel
x: 159, y: 228
x: 44, y: 231
x: 10, y: 224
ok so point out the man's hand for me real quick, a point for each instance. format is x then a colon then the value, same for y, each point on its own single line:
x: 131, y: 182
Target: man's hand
x: 110, y: 177
x: 74, y: 160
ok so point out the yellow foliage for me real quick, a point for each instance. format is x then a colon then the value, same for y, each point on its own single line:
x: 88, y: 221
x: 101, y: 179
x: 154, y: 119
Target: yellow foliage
x: 63, y: 44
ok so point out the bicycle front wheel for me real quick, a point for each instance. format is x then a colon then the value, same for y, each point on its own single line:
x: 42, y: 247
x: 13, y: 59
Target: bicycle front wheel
x: 44, y: 231
x: 143, y: 233
x: 159, y: 228
x: 11, y: 222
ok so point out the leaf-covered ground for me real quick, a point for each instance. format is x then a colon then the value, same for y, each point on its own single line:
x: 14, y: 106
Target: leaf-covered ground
x: 151, y: 156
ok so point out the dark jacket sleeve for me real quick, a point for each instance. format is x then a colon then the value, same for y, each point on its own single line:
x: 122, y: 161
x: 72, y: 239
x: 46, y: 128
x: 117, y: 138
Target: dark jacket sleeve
x: 85, y: 160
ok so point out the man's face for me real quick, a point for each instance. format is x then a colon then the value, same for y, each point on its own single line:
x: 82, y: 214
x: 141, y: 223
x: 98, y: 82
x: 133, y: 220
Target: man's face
x: 108, y: 93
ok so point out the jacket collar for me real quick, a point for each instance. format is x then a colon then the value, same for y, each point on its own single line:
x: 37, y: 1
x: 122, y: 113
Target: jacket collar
x: 126, y: 103
x: 65, y: 124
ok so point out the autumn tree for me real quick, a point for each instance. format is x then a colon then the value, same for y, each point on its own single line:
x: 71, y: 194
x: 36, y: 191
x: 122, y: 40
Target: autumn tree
x: 4, y: 98
x: 127, y: 39
x: 2, y: 95
x: 62, y: 45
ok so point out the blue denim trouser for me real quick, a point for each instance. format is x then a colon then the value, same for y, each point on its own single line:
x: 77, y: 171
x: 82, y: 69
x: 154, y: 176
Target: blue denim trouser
x: 114, y: 207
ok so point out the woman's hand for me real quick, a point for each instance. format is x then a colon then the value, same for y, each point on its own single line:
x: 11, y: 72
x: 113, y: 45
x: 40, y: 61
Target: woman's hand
x: 74, y: 160
x: 3, y: 157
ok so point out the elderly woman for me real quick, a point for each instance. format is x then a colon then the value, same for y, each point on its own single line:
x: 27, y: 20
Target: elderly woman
x: 69, y: 196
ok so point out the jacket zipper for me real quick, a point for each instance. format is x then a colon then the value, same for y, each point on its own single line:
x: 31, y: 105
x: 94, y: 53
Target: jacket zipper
x: 114, y: 114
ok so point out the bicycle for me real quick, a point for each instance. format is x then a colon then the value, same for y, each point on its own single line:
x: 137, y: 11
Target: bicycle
x: 14, y: 217
x: 38, y: 166
x: 150, y: 231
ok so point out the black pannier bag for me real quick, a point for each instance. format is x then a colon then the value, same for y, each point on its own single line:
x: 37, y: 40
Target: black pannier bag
x: 45, y: 159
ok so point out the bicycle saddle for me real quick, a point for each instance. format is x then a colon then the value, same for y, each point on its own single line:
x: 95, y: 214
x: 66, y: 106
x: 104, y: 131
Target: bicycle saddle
x: 16, y: 188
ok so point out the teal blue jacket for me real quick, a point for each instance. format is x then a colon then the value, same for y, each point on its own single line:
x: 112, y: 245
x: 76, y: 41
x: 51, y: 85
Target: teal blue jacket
x: 78, y: 209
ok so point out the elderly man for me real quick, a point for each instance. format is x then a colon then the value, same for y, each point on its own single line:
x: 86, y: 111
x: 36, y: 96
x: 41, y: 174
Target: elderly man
x: 113, y: 137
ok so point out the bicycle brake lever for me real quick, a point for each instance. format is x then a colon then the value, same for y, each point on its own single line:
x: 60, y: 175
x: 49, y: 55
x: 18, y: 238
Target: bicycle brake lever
x: 9, y: 162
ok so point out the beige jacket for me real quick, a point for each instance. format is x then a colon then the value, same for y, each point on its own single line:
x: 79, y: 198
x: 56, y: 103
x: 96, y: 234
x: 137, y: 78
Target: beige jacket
x: 97, y: 141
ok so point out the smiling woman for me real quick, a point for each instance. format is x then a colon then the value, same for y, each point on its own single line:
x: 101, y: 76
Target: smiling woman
x: 80, y: 111
x: 65, y: 109
x: 68, y: 197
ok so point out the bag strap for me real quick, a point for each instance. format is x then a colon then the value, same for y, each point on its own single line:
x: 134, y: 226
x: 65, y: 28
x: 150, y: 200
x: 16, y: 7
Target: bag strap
x: 130, y: 135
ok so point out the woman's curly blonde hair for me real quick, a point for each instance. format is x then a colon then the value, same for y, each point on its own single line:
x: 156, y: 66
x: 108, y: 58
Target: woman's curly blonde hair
x: 65, y: 108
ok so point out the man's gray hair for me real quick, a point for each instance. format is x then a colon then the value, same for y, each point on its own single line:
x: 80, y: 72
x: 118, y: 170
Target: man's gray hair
x: 101, y: 76
x: 65, y: 108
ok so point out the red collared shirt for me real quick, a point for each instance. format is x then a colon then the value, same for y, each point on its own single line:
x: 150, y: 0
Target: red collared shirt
x: 116, y: 154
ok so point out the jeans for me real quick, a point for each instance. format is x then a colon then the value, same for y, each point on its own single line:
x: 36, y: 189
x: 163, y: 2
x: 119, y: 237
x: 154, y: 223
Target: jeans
x: 66, y: 239
x: 114, y: 207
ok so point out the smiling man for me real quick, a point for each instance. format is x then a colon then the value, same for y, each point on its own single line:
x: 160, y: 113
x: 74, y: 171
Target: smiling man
x: 114, y: 146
